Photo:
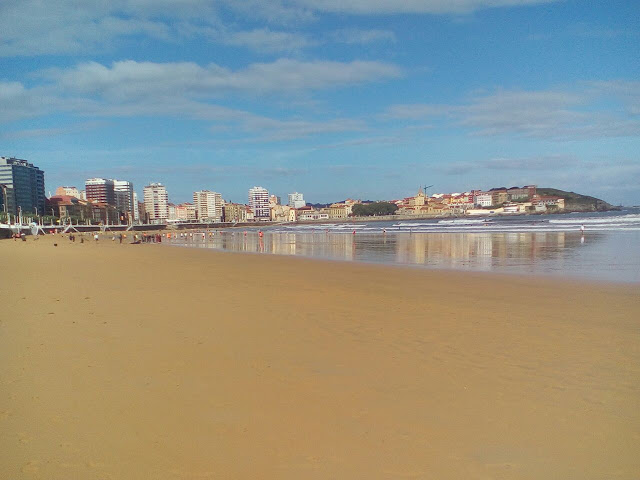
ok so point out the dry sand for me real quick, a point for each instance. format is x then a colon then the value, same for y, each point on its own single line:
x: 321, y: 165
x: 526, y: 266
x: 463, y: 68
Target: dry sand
x: 156, y: 362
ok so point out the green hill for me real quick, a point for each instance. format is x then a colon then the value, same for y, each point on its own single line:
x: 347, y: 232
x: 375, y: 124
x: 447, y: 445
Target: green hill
x: 575, y: 202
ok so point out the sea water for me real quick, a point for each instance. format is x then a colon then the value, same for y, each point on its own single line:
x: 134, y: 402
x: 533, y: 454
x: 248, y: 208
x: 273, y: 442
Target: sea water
x: 600, y: 246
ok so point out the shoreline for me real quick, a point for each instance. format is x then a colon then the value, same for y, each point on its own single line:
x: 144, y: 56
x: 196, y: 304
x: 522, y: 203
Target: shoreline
x: 128, y: 363
x: 534, y: 277
x: 384, y: 218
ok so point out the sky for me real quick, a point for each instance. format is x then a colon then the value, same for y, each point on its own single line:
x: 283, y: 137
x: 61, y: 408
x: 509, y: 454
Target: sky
x: 367, y: 99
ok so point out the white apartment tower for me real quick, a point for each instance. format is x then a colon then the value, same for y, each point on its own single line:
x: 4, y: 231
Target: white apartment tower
x: 296, y: 200
x: 136, y: 210
x: 259, y: 203
x: 156, y: 202
x: 208, y: 206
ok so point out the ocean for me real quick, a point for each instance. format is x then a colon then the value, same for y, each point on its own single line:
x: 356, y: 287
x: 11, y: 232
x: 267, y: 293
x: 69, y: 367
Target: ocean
x: 607, y: 250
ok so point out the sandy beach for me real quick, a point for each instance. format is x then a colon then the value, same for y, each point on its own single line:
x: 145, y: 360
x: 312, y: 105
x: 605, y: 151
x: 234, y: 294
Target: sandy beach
x: 156, y: 362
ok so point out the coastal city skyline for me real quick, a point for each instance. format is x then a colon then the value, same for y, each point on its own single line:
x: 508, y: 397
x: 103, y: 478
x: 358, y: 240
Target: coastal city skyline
x: 110, y: 201
x: 351, y: 98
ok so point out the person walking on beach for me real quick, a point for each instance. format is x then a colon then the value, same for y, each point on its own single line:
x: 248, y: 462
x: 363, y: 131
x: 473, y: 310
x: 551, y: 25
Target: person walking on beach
x: 95, y: 237
x: 582, y: 229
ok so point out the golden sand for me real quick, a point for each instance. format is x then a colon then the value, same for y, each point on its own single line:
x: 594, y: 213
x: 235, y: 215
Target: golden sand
x: 155, y: 362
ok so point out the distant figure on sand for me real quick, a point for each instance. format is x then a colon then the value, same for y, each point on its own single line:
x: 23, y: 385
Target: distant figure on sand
x: 95, y: 237
x: 582, y: 229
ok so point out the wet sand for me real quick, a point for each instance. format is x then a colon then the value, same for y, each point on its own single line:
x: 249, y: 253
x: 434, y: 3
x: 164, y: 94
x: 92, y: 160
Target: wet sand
x: 152, y: 362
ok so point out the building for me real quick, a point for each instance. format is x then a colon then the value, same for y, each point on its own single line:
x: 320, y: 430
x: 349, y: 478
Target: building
x: 185, y: 212
x: 70, y: 207
x: 543, y: 203
x: 259, y: 203
x: 103, y: 213
x: 156, y: 203
x: 142, y: 213
x: 337, y: 211
x: 309, y: 213
x: 274, y: 200
x: 68, y: 191
x: 517, y: 194
x: 500, y: 196
x: 483, y: 199
x: 21, y: 187
x: 235, y: 212
x: 208, y: 206
x: 296, y: 200
x: 419, y: 200
x: 123, y: 192
x: 280, y: 213
x: 100, y: 190
x: 136, y: 210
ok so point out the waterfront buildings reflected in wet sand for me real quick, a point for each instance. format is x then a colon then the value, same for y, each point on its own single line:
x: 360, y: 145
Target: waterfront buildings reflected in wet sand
x: 482, y: 250
x: 602, y: 256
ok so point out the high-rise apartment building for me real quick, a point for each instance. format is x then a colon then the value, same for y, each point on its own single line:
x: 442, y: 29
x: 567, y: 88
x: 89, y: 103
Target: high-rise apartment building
x: 21, y: 187
x: 296, y: 200
x: 156, y: 203
x: 259, y: 203
x: 123, y: 191
x: 208, y: 206
x: 100, y: 190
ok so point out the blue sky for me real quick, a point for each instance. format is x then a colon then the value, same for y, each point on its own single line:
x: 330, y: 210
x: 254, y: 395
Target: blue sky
x: 332, y: 98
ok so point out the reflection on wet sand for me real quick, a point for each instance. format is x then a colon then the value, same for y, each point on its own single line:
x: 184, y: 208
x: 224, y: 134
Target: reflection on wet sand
x: 485, y: 251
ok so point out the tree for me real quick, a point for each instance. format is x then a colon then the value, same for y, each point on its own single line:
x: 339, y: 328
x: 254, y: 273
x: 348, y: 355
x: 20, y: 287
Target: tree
x: 374, y: 209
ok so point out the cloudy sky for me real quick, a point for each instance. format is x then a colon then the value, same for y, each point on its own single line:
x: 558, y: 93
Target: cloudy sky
x: 333, y: 98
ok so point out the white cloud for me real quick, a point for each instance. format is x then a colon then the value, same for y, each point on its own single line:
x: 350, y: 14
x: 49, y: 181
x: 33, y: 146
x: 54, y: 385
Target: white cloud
x: 362, y: 37
x: 44, y: 27
x: 279, y: 130
x: 187, y: 90
x: 554, y: 114
x: 266, y: 40
x: 50, y: 132
x: 518, y: 164
x: 131, y: 79
x: 35, y: 27
x: 375, y: 7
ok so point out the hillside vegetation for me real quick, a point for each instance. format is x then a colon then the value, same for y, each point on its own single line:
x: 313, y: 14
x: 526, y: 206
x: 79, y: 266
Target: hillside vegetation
x: 576, y: 202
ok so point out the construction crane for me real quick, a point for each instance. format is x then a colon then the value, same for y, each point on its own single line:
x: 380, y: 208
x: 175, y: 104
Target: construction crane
x: 425, y: 189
